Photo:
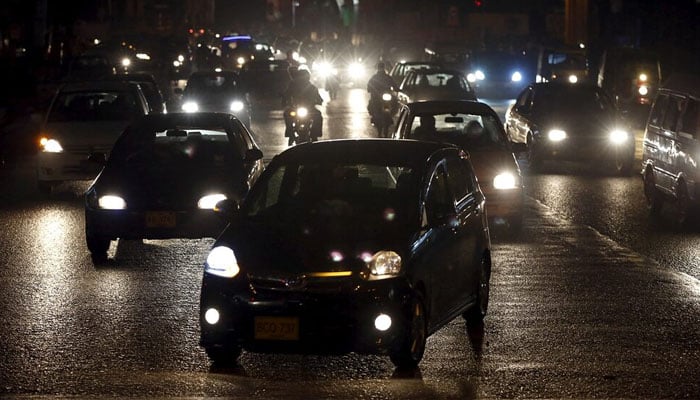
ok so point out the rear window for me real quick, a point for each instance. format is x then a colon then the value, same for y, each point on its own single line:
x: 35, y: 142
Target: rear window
x: 94, y: 106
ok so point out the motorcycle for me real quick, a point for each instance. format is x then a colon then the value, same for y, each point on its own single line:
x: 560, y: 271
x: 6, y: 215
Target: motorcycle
x: 382, y: 113
x: 301, y: 124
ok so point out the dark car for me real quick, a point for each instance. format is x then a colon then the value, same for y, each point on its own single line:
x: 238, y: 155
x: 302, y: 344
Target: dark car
x: 435, y: 84
x: 267, y: 80
x: 217, y: 91
x: 164, y: 176
x: 499, y: 74
x: 570, y: 122
x: 149, y: 87
x: 476, y: 128
x: 401, y: 68
x: 342, y: 246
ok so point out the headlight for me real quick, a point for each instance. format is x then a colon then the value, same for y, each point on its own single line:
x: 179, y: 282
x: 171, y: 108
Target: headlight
x: 190, y: 107
x: 556, y: 135
x: 302, y: 112
x: 643, y: 77
x: 240, y: 60
x: 516, y: 77
x: 383, y: 264
x: 504, y: 180
x: 356, y: 70
x: 471, y: 77
x: 209, y: 201
x: 386, y: 97
x: 237, y: 106
x: 573, y: 78
x: 181, y: 58
x: 177, y: 63
x: 324, y: 68
x: 643, y: 90
x: 618, y: 136
x: 222, y: 262
x: 111, y: 202
x: 126, y: 62
x: 143, y: 56
x: 479, y: 74
x: 50, y: 145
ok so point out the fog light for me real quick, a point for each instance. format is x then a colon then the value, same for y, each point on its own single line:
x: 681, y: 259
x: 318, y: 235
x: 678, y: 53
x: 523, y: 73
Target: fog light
x: 382, y: 322
x: 212, y: 316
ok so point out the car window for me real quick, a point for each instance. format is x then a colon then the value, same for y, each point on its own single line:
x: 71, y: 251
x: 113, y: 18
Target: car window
x: 439, y: 201
x: 469, y: 131
x: 94, y: 106
x: 658, y: 110
x: 690, y: 121
x: 459, y: 175
x: 673, y: 110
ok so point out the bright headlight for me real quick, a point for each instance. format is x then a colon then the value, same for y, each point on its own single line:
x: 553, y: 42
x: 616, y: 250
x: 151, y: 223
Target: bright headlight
x: 386, y: 97
x: 181, y: 58
x: 324, y: 68
x: 516, y: 77
x: 111, y: 202
x: 302, y: 112
x: 126, y: 62
x: 479, y: 74
x: 573, y: 78
x: 190, y: 107
x: 504, y: 180
x: 384, y: 264
x: 471, y: 77
x: 240, y: 60
x: 356, y: 70
x: 618, y: 136
x: 50, y: 145
x: 209, y: 201
x: 644, y: 90
x: 237, y: 106
x: 556, y: 135
x: 222, y: 262
x: 176, y: 63
x: 143, y: 56
x: 643, y: 77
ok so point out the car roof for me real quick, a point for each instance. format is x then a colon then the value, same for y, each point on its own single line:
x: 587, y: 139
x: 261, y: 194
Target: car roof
x: 199, y: 119
x: 431, y: 106
x: 391, y: 151
x: 113, y: 85
x: 683, y: 83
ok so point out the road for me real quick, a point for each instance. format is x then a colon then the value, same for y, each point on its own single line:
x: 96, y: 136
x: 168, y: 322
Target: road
x: 582, y: 305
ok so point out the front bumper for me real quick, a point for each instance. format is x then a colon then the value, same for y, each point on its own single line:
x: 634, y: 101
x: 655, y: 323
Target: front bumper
x: 152, y: 224
x: 328, y: 317
x: 583, y: 149
x: 66, y: 166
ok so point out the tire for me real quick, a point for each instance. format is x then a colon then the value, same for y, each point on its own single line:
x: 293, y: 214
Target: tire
x: 223, y: 355
x: 409, y: 350
x: 534, y: 160
x: 683, y: 206
x: 98, y: 247
x: 476, y: 314
x: 652, y: 195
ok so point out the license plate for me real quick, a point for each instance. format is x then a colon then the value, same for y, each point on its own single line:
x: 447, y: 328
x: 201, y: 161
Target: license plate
x: 276, y: 328
x: 160, y: 219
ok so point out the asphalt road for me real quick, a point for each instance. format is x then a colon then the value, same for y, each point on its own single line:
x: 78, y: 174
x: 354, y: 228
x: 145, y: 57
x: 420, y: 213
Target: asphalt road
x: 575, y: 311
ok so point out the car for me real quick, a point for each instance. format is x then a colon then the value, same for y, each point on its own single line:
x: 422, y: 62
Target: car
x: 149, y: 86
x: 570, y: 122
x: 476, y: 128
x: 563, y: 63
x: 399, y: 71
x: 365, y: 245
x: 267, y: 80
x: 434, y: 84
x: 84, y: 118
x: 237, y: 50
x: 217, y: 91
x: 671, y: 148
x: 499, y: 74
x: 164, y: 176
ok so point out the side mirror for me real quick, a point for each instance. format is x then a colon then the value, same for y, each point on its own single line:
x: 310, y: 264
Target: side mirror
x: 227, y: 209
x: 253, y: 155
x: 98, y: 158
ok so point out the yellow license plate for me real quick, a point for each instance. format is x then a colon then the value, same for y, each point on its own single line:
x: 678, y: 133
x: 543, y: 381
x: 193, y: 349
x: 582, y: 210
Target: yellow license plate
x: 276, y: 328
x: 160, y: 219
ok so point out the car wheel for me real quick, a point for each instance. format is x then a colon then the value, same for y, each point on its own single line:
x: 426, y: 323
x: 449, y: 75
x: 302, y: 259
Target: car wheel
x: 475, y: 315
x: 223, y: 355
x: 683, y: 207
x: 98, y: 248
x: 652, y: 195
x: 534, y: 160
x: 410, y: 348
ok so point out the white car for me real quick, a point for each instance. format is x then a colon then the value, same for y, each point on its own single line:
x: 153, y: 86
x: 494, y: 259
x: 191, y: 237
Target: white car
x: 84, y: 118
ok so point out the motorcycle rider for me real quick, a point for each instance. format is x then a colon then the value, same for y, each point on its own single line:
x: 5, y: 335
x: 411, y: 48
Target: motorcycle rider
x: 301, y: 92
x: 377, y: 85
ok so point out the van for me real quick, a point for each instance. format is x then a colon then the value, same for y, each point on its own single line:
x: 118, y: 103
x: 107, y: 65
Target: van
x: 671, y: 149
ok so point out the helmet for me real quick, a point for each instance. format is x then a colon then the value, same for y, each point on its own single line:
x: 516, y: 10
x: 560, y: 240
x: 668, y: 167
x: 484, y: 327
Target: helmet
x: 303, y: 74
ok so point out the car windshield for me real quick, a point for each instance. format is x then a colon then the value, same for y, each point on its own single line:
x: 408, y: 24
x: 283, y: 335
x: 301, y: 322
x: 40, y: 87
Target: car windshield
x: 373, y: 193
x: 572, y: 99
x: 172, y: 149
x: 211, y: 84
x: 94, y: 106
x: 470, y: 131
x: 441, y: 80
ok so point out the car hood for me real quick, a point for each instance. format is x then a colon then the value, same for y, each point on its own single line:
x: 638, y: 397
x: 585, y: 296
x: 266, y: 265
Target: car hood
x: 156, y: 188
x: 98, y: 134
x: 578, y: 124
x: 295, y: 246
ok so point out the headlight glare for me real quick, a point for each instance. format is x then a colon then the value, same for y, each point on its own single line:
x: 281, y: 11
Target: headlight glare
x: 643, y: 90
x: 302, y: 112
x: 190, y: 107
x: 516, y: 77
x: 209, y: 201
x: 240, y: 60
x: 50, y: 145
x: 619, y: 136
x: 504, y: 180
x: 237, y: 106
x: 126, y: 62
x: 573, y: 78
x: 111, y: 202
x: 222, y: 262
x: 386, y: 97
x: 556, y: 135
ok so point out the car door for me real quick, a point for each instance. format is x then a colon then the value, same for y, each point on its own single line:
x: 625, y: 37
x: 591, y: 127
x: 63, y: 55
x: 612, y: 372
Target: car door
x: 657, y: 143
x: 401, y: 122
x: 517, y: 121
x: 686, y: 146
